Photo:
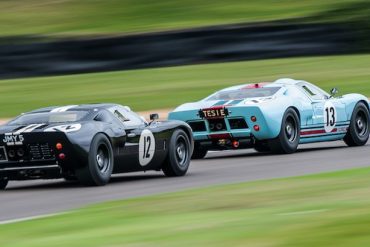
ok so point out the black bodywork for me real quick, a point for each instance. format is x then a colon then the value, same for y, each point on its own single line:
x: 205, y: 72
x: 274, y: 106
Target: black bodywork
x: 34, y: 154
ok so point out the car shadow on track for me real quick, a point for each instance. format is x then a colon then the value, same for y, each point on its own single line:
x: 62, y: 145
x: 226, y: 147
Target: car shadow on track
x: 302, y: 149
x: 62, y: 184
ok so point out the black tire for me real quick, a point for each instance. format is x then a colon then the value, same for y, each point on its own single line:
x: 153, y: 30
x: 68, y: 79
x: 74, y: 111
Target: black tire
x: 199, y: 152
x: 358, y: 132
x: 179, y: 152
x: 3, y: 183
x: 289, y: 136
x: 261, y: 146
x: 100, y: 163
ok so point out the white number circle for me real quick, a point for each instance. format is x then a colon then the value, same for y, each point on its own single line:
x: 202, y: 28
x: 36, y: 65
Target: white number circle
x: 146, y: 147
x: 330, y: 117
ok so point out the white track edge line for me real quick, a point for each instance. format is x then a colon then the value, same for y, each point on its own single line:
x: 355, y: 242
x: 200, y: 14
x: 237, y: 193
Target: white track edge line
x: 4, y: 222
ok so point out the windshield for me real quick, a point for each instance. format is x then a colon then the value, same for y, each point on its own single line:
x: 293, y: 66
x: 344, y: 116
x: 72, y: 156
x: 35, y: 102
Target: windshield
x: 49, y: 117
x: 244, y: 93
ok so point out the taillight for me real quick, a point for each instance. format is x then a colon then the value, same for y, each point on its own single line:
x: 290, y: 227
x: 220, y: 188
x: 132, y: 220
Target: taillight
x: 256, y: 128
x: 62, y: 156
x: 235, y: 144
x: 59, y: 146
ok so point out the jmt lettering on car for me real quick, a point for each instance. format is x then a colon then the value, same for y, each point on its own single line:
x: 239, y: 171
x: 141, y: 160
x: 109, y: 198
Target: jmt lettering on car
x: 11, y: 139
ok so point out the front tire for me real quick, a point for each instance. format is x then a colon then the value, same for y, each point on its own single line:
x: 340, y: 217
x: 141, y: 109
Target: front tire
x: 358, y: 132
x: 3, y: 183
x: 100, y: 163
x: 179, y: 153
x: 289, y: 136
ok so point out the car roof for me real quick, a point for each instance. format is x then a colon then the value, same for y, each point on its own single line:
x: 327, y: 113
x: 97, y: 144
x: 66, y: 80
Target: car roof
x: 246, y: 86
x: 82, y: 107
x: 289, y: 81
x: 280, y: 82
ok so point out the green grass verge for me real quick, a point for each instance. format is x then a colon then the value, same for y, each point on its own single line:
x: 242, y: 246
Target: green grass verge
x: 331, y: 209
x: 72, y: 17
x: 168, y: 87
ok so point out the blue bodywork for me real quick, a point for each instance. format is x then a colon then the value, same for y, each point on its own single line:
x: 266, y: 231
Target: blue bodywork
x: 309, y: 101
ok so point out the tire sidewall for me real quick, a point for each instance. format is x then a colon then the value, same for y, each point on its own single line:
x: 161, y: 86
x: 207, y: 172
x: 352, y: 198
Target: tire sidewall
x: 356, y: 138
x: 199, y: 152
x: 99, y: 177
x: 286, y: 145
x: 178, y: 169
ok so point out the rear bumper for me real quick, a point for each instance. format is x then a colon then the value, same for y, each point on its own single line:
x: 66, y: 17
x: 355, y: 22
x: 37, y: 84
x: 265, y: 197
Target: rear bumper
x: 37, y: 157
x: 236, y: 139
x: 226, y: 144
x: 31, y: 171
x: 236, y: 134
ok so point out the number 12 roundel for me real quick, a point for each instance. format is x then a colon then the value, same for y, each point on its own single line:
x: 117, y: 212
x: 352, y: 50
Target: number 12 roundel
x: 146, y: 147
x: 330, y: 117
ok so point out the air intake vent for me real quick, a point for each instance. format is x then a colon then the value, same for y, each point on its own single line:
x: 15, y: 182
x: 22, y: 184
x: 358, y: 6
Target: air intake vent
x: 198, y: 126
x: 217, y: 124
x: 41, y: 151
x: 238, y: 123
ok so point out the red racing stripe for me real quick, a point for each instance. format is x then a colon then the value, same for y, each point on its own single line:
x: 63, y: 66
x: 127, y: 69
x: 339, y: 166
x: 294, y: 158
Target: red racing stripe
x: 316, y: 132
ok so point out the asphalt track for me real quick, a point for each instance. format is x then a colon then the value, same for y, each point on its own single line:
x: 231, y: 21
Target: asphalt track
x: 32, y: 198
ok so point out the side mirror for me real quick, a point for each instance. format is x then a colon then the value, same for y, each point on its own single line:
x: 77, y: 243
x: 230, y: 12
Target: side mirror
x: 333, y: 92
x: 154, y: 116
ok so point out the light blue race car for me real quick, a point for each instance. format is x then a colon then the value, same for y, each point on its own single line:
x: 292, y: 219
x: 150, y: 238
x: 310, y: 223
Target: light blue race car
x: 274, y: 117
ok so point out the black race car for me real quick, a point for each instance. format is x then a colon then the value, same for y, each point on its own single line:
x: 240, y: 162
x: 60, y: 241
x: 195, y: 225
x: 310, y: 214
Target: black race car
x: 89, y: 143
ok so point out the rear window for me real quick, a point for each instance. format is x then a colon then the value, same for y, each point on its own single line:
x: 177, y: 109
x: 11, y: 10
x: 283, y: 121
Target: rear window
x: 244, y: 93
x: 49, y: 117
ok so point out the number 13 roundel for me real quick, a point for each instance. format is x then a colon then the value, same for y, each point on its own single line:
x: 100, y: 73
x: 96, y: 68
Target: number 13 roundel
x: 330, y: 117
x: 146, y: 147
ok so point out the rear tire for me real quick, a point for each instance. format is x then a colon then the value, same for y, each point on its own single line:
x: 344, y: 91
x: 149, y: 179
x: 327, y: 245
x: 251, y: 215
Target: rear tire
x: 3, y: 183
x: 358, y: 132
x: 199, y: 152
x: 289, y: 136
x: 179, y: 152
x: 261, y: 146
x: 100, y: 163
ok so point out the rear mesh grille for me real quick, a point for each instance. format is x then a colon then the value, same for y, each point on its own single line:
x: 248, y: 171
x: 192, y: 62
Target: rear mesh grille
x: 238, y: 123
x: 198, y: 126
x: 41, y: 151
x: 217, y: 124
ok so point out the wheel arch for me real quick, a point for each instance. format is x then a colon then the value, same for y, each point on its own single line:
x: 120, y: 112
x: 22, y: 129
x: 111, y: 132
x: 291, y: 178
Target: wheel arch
x: 278, y: 128
x: 187, y: 131
x: 103, y: 133
x: 365, y: 103
x: 296, y: 110
x: 110, y: 139
x: 351, y: 100
x: 350, y: 108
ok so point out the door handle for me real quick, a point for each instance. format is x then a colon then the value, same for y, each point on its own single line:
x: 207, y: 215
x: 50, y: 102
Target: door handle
x: 131, y: 135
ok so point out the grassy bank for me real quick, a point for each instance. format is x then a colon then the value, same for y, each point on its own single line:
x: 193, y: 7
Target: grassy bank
x: 330, y: 209
x: 71, y: 17
x: 168, y: 87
